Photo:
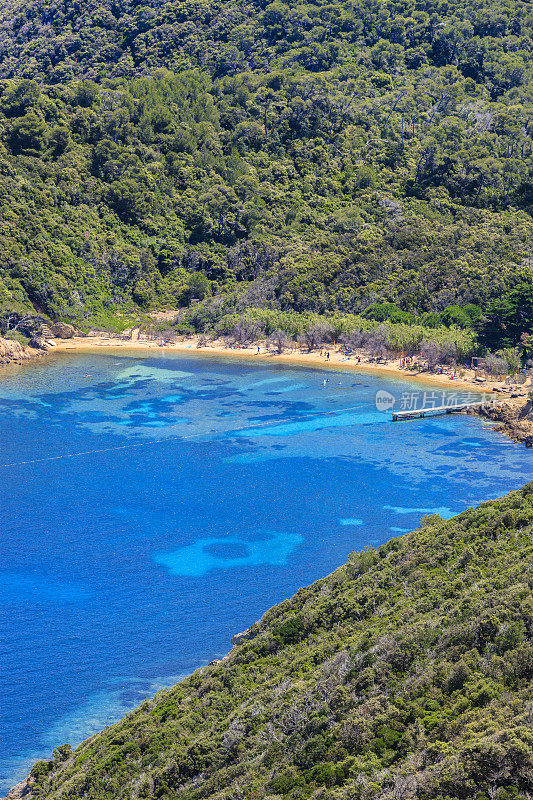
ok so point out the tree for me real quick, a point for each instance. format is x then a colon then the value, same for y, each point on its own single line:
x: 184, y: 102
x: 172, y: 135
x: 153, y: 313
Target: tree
x: 62, y: 753
x: 317, y: 335
x: 86, y: 93
x: 28, y: 134
x: 198, y: 287
x: 432, y: 353
x: 508, y: 317
x: 58, y: 140
x: 129, y: 199
x: 19, y: 97
x: 494, y: 365
x: 278, y: 340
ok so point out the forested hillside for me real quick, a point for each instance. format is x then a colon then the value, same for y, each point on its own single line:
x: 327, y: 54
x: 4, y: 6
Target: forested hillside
x: 314, y: 157
x: 404, y: 674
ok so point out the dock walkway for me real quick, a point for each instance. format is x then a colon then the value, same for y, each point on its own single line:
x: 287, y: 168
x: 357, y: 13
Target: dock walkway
x: 431, y: 412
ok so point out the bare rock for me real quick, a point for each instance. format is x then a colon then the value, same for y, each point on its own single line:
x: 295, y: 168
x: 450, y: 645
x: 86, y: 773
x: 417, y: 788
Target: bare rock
x: 239, y: 638
x: 45, y: 331
x: 11, y: 350
x: 62, y: 330
x: 513, y: 420
x: 22, y: 791
x: 249, y: 633
x: 526, y: 410
x: 39, y: 343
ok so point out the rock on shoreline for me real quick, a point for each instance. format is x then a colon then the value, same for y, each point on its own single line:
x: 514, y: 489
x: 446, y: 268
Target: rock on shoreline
x: 515, y: 420
x: 13, y: 352
x: 22, y: 791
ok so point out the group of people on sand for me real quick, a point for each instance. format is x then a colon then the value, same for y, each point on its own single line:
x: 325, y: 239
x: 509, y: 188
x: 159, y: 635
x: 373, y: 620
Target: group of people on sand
x: 410, y: 362
x: 347, y: 353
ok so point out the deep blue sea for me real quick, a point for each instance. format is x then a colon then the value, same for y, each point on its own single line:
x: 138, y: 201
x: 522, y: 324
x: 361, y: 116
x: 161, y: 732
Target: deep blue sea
x: 151, y: 507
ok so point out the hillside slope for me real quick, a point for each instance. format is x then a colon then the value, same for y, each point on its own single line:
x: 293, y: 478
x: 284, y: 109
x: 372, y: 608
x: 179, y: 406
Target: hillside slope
x: 404, y: 674
x: 316, y: 157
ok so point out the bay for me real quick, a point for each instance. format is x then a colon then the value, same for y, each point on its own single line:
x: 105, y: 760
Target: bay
x: 152, y: 506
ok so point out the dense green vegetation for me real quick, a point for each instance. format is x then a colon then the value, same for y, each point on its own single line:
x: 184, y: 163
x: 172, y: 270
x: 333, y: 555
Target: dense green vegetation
x: 327, y: 157
x: 404, y: 674
x: 356, y: 171
x: 309, y: 331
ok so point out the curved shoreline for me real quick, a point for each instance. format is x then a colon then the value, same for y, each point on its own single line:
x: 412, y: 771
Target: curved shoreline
x: 337, y: 362
x: 508, y: 415
x: 391, y: 369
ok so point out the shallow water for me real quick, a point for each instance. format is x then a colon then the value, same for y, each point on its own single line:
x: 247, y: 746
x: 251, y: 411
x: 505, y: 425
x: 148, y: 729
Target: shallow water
x: 152, y: 507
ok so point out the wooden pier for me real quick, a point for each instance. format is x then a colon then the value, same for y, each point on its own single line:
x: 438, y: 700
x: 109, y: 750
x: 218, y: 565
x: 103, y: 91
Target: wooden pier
x: 431, y: 412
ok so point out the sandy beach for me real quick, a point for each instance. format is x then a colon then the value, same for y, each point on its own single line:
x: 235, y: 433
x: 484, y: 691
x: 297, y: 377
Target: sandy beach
x: 464, y: 380
x: 505, y: 407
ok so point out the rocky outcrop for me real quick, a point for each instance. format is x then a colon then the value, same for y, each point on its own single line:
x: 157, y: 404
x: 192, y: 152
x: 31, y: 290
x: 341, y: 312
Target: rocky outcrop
x: 62, y: 330
x: 10, y: 351
x: 36, y: 328
x: 239, y: 638
x: 22, y: 791
x: 14, y: 352
x: 41, y: 335
x: 56, y: 330
x: 43, y: 331
x: 249, y: 633
x: 41, y: 343
x: 515, y: 419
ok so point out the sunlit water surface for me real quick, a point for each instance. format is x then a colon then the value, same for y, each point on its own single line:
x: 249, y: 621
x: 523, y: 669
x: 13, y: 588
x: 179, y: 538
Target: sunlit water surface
x: 152, y: 507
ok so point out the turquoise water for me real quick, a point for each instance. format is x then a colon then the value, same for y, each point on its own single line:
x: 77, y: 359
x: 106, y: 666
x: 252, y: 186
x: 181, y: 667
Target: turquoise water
x: 152, y: 507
